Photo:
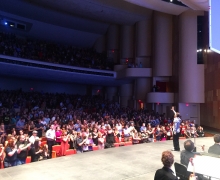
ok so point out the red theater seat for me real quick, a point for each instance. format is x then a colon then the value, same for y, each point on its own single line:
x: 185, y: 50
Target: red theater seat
x: 28, y: 159
x: 43, y: 143
x: 43, y: 139
x: 70, y: 152
x: 95, y: 148
x: 1, y: 165
x: 116, y: 144
x: 56, y: 150
x: 129, y: 143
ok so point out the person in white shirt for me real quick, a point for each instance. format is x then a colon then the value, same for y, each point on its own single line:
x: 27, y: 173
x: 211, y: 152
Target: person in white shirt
x: 51, y: 137
x: 32, y: 140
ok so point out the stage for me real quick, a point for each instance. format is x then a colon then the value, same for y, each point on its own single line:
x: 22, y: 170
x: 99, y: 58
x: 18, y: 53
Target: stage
x: 135, y: 162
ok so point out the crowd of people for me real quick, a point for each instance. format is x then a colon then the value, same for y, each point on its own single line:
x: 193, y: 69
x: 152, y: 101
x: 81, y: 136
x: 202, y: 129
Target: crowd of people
x: 26, y: 48
x: 75, y: 122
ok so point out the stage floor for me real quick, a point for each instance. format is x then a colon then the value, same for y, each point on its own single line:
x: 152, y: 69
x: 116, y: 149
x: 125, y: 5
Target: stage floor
x: 135, y: 162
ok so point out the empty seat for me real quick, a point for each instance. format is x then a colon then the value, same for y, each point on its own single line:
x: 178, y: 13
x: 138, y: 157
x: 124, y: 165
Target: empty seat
x: 181, y: 171
x: 56, y: 149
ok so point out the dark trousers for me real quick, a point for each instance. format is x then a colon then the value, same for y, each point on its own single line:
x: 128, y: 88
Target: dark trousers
x: 50, y: 143
x: 176, y: 144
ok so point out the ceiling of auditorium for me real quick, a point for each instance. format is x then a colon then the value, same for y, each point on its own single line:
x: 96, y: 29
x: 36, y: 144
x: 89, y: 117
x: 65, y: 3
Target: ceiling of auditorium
x: 81, y: 22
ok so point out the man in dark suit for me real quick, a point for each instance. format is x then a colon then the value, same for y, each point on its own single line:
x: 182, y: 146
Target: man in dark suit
x: 166, y: 173
x: 188, y: 153
x: 215, y: 149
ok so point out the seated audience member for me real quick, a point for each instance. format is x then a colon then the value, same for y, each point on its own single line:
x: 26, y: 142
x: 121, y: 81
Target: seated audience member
x: 2, y: 129
x: 117, y: 136
x: 20, y: 124
x: 188, y: 132
x: 200, y: 132
x: 144, y: 137
x: 73, y: 136
x: 10, y: 154
x: 2, y: 155
x: 23, y: 145
x: 183, y: 129
x: 126, y: 131
x: 38, y: 151
x: 169, y: 132
x: 135, y: 137
x: 163, y: 133
x: 157, y: 133
x: 39, y: 128
x: 166, y: 173
x: 101, y: 141
x: 188, y: 153
x: 80, y: 141
x: 110, y: 138
x: 91, y: 143
x: 150, y: 132
x: 193, y: 131
x: 31, y: 127
x: 32, y: 150
x: 143, y: 128
x: 45, y: 154
x: 215, y: 149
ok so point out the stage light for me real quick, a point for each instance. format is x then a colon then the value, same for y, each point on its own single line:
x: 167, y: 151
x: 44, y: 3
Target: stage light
x: 6, y: 23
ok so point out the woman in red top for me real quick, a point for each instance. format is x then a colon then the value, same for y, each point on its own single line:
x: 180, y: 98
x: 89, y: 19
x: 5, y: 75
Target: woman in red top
x: 64, y: 143
x: 58, y: 135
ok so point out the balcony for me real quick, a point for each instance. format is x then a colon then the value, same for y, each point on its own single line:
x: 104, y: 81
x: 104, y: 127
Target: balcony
x: 160, y: 97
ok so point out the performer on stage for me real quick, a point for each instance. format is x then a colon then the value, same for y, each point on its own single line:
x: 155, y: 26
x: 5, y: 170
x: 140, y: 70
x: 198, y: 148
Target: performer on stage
x: 176, y: 130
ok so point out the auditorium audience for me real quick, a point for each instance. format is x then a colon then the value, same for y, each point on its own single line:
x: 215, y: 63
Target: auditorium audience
x: 26, y: 48
x: 87, y: 121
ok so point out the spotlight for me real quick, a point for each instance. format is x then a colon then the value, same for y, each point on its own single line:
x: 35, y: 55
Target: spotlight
x: 6, y: 23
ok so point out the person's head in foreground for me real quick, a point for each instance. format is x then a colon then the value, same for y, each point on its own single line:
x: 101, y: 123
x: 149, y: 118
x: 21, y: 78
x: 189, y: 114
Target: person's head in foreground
x: 217, y: 138
x: 189, y: 145
x: 167, y: 159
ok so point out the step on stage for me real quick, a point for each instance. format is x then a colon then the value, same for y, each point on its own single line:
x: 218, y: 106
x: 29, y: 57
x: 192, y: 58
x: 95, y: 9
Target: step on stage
x: 135, y: 162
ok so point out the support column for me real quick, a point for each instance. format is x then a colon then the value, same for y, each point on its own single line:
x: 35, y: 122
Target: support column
x: 143, y: 43
x: 100, y: 44
x: 143, y: 86
x: 112, y: 93
x: 126, y: 95
x: 191, y: 74
x: 162, y: 44
x: 113, y: 43
x: 127, y: 44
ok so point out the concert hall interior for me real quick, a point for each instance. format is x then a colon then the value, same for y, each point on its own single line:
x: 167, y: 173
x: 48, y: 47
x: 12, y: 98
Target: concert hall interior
x: 96, y: 68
